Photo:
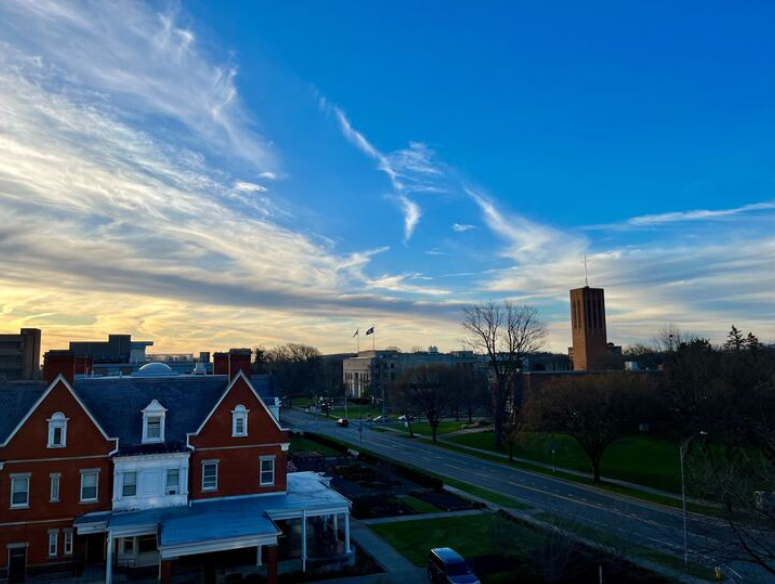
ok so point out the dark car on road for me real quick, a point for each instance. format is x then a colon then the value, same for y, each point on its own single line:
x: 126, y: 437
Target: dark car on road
x: 343, y: 422
x: 446, y: 566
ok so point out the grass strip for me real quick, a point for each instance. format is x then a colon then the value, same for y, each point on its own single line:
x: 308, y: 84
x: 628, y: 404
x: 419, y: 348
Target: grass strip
x: 609, y: 487
x: 664, y: 559
x: 418, y: 504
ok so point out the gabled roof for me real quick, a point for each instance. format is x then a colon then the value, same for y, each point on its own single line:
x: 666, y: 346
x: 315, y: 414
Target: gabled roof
x: 16, y: 424
x: 117, y: 404
x: 16, y: 399
x: 232, y: 383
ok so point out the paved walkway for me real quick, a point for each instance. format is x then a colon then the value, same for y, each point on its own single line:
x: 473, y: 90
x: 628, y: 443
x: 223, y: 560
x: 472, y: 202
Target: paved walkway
x: 421, y: 516
x: 398, y: 570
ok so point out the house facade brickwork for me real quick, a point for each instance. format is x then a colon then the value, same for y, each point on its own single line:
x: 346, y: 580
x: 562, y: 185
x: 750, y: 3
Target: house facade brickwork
x: 148, y: 472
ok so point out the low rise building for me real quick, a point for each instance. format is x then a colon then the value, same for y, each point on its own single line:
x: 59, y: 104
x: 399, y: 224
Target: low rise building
x: 153, y: 471
x: 368, y: 373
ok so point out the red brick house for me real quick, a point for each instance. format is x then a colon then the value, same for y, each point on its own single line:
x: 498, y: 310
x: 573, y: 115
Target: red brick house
x: 157, y: 472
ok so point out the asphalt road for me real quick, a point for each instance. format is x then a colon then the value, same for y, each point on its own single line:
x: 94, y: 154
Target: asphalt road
x: 636, y: 522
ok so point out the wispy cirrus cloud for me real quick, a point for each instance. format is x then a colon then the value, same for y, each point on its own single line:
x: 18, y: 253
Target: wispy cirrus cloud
x: 114, y: 220
x: 668, y: 219
x: 131, y: 58
x: 698, y: 214
x: 410, y: 170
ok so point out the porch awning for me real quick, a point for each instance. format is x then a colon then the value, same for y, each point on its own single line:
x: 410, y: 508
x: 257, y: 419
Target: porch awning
x: 223, y: 524
x: 216, y: 526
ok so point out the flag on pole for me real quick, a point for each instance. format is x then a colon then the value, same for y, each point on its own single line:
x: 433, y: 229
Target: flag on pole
x: 357, y: 333
x: 370, y: 331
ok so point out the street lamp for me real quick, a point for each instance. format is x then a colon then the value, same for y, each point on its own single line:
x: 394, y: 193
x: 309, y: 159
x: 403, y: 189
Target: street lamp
x: 682, y: 451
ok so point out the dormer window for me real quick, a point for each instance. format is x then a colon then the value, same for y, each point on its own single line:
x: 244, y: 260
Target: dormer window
x: 153, y: 422
x: 239, y: 421
x: 57, y: 431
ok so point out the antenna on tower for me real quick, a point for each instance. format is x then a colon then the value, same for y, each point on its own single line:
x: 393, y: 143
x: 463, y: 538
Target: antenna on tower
x: 586, y: 271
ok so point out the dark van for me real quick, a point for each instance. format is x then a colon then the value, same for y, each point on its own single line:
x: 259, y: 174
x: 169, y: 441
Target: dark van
x: 446, y: 566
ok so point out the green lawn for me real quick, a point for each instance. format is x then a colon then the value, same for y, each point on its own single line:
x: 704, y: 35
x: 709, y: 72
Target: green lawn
x: 418, y: 504
x: 299, y: 444
x: 424, y: 428
x: 669, y: 561
x: 470, y: 536
x: 644, y: 460
x: 355, y: 411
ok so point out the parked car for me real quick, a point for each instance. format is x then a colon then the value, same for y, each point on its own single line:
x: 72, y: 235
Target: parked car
x: 343, y: 422
x: 446, y: 566
x: 405, y: 418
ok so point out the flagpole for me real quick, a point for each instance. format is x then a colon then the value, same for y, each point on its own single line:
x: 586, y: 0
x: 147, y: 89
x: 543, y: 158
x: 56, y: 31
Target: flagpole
x: 373, y: 338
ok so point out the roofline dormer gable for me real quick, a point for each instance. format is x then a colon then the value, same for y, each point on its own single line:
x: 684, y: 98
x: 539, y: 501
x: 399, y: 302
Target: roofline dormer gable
x: 54, y: 383
x: 154, y: 422
x: 239, y: 375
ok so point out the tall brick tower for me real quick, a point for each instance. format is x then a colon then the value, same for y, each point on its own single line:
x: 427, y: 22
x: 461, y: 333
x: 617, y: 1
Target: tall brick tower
x: 587, y: 315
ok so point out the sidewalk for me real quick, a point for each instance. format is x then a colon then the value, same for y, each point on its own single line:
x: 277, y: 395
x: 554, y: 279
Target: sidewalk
x: 422, y: 516
x: 398, y: 570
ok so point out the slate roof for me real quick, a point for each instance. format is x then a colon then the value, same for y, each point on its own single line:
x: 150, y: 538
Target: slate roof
x: 117, y: 404
x: 16, y: 399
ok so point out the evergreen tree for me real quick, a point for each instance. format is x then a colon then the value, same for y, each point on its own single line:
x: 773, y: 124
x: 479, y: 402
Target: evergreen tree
x: 735, y: 340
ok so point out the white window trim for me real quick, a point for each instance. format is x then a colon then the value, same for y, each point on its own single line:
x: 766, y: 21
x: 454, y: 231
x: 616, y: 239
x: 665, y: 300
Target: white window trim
x: 239, y: 412
x: 178, y: 488
x: 53, y: 537
x: 57, y: 419
x: 88, y: 471
x: 55, y: 478
x: 123, y: 477
x: 17, y: 477
x: 216, y: 463
x: 67, y: 543
x: 154, y: 410
x: 261, y: 471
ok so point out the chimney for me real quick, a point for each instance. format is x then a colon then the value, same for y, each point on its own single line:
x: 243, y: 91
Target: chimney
x: 220, y: 363
x: 84, y: 365
x: 239, y: 359
x: 58, y: 363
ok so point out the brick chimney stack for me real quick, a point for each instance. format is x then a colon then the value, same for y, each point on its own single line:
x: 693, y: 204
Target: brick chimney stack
x: 84, y: 365
x: 239, y: 360
x: 57, y: 363
x: 220, y: 363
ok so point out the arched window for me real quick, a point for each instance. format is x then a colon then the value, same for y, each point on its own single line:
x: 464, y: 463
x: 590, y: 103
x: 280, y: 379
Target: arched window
x: 239, y: 421
x: 57, y: 431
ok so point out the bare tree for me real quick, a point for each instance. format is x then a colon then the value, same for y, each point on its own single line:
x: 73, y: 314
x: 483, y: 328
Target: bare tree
x: 596, y: 410
x: 297, y: 369
x: 427, y: 389
x: 669, y: 338
x: 505, y: 333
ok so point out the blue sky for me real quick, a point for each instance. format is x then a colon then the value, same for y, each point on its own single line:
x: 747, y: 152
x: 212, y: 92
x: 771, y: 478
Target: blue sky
x: 211, y: 174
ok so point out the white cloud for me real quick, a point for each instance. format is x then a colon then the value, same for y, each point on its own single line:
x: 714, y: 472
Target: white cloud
x: 697, y: 215
x: 248, y: 187
x: 129, y: 56
x: 462, y: 227
x: 410, y: 170
x: 528, y: 241
x: 412, y: 214
x: 398, y: 284
x: 106, y: 219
